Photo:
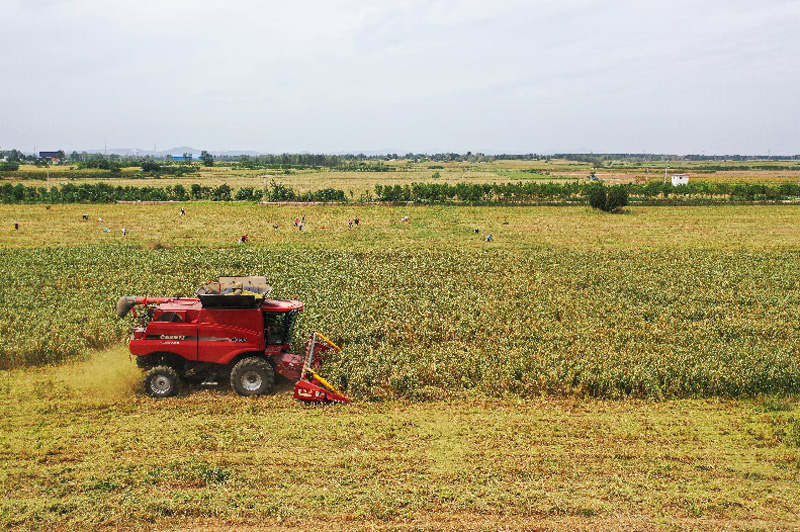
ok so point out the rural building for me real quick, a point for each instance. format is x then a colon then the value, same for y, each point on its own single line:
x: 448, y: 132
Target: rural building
x: 680, y: 179
x: 49, y: 156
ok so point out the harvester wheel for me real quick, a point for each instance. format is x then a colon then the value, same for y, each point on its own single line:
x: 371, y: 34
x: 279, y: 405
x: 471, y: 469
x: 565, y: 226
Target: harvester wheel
x: 161, y: 381
x: 252, y: 376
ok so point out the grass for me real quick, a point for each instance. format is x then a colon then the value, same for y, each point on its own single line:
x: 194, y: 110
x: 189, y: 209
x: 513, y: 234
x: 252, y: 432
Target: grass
x: 210, y: 224
x: 83, y: 449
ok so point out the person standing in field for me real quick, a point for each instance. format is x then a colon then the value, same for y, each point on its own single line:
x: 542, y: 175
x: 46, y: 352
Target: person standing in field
x: 183, y: 211
x: 124, y: 232
x: 16, y: 226
x: 356, y: 221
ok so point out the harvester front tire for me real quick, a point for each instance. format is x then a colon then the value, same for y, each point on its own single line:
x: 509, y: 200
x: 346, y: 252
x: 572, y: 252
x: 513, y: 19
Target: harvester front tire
x: 252, y: 376
x: 161, y: 381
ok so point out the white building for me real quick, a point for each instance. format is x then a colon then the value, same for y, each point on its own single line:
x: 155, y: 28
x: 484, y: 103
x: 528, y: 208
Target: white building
x: 680, y: 179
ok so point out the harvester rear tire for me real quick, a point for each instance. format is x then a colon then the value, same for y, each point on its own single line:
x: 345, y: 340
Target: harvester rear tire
x: 161, y: 381
x: 252, y: 376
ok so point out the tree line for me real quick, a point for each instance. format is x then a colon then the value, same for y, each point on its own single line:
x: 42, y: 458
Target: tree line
x: 107, y: 193
x: 579, y: 192
x: 322, y: 160
x: 420, y: 193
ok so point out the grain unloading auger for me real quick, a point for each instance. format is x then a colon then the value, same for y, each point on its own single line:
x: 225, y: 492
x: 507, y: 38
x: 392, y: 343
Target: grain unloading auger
x: 231, y: 330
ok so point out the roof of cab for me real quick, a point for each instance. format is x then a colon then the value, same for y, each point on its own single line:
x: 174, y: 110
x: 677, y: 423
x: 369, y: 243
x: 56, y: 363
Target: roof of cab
x: 281, y: 305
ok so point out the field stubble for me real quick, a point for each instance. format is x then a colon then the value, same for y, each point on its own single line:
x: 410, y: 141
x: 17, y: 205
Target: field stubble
x: 82, y: 449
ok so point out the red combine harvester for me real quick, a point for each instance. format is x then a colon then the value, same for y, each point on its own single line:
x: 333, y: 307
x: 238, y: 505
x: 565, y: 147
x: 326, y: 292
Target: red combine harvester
x: 231, y: 330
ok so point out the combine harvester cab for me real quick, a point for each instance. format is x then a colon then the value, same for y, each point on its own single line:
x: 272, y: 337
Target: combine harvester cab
x: 230, y: 331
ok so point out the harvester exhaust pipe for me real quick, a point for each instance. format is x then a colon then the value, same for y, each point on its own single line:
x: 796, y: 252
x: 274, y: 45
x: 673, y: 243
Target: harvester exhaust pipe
x: 124, y: 305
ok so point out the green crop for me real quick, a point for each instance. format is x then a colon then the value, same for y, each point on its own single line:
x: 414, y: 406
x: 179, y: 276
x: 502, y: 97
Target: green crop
x: 427, y: 323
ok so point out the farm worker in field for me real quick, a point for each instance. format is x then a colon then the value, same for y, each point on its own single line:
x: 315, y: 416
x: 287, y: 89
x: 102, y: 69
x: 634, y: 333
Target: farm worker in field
x: 296, y: 222
x: 16, y: 226
x: 183, y: 211
x: 85, y: 217
x: 303, y: 219
x: 477, y: 231
x: 124, y: 232
x: 404, y: 219
x: 106, y: 230
x: 99, y: 219
x: 349, y: 224
x: 243, y: 239
x: 356, y: 221
x: 301, y: 225
x: 274, y: 227
x: 47, y: 208
x: 489, y: 238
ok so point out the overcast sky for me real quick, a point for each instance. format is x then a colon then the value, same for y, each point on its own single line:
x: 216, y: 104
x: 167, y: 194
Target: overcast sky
x: 676, y: 76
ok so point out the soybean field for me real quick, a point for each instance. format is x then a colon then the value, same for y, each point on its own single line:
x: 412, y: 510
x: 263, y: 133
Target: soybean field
x: 578, y: 371
x: 423, y: 318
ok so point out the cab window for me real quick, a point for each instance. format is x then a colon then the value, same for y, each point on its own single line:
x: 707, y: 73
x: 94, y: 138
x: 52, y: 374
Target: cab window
x: 278, y: 327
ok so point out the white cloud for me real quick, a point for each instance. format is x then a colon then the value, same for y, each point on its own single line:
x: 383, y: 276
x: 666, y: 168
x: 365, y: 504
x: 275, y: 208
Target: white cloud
x: 423, y: 75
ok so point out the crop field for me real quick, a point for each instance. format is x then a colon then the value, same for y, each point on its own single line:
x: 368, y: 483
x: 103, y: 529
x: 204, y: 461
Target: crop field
x: 403, y: 172
x: 580, y: 371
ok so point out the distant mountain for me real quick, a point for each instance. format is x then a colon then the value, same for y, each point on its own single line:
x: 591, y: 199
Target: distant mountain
x: 180, y: 150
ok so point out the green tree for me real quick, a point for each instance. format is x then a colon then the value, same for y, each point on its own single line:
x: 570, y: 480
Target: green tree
x: 207, y: 158
x: 597, y: 197
x: 180, y: 193
x: 150, y: 166
x: 221, y: 193
x: 617, y: 198
x: 613, y: 200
